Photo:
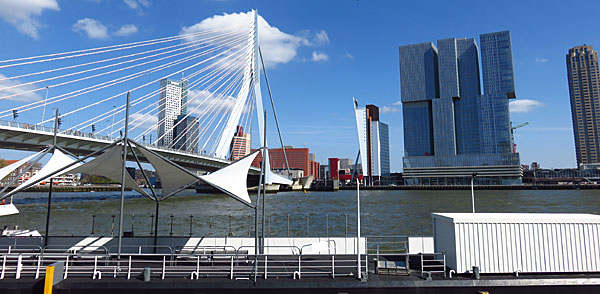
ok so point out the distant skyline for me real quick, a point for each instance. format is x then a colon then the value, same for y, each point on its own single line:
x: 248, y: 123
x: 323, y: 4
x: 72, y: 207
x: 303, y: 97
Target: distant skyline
x: 321, y: 54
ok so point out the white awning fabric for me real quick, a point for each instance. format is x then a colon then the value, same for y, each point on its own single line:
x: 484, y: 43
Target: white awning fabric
x: 110, y: 165
x: 8, y: 209
x: 279, y: 179
x: 5, y: 171
x: 232, y: 178
x: 171, y: 177
x: 58, y: 161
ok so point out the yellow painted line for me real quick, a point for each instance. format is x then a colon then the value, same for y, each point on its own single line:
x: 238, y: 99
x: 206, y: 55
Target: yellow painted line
x: 49, y: 280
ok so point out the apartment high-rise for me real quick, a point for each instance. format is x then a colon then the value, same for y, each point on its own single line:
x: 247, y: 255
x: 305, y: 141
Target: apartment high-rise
x: 584, y: 89
x: 240, y: 145
x: 451, y: 129
x: 373, y: 137
x: 172, y: 103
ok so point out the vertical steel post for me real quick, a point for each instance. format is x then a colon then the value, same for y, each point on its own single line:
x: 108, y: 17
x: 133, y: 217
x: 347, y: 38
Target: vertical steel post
x: 46, y: 234
x: 358, y: 228
x: 123, y: 171
x: 264, y: 184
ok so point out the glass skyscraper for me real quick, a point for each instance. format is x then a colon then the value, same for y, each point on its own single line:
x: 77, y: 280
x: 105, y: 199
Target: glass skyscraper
x: 451, y: 129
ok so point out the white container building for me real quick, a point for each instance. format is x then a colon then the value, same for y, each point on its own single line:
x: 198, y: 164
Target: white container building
x: 518, y: 242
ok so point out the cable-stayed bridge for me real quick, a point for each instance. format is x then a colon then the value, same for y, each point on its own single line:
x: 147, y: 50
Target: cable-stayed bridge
x: 217, y: 70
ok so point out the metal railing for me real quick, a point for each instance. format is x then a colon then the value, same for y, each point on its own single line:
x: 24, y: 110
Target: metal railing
x: 385, y: 254
x: 433, y: 263
x: 232, y: 266
x: 81, y: 134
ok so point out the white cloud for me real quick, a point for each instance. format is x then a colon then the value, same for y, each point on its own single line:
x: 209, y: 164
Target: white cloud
x: 201, y: 100
x: 319, y: 56
x: 398, y: 102
x: 143, y: 120
x: 348, y: 55
x: 93, y: 28
x: 277, y: 47
x: 524, y: 105
x: 137, y: 4
x: 541, y: 60
x: 22, y: 13
x: 321, y: 38
x: 386, y: 109
x: 27, y: 97
x: 126, y: 30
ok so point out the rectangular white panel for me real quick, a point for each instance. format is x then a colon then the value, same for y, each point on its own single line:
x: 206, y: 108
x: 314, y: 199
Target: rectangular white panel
x: 509, y: 242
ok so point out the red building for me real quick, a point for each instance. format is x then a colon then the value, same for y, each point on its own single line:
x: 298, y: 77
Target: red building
x: 297, y: 158
x: 240, y: 145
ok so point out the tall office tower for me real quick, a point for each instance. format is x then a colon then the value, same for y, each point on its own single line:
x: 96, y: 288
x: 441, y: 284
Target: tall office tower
x: 373, y: 138
x: 172, y: 103
x: 584, y: 89
x: 240, y: 145
x: 451, y: 130
x: 186, y: 133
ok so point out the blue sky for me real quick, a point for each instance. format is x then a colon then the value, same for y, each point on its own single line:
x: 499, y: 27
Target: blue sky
x: 346, y: 49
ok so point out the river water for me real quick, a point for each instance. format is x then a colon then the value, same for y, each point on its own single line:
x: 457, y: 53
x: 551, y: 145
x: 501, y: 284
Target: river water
x: 383, y: 213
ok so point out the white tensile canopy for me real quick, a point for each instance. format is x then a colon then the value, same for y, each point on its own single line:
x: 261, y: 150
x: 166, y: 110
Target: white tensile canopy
x: 171, y: 177
x: 232, y: 178
x: 110, y: 165
x: 58, y: 161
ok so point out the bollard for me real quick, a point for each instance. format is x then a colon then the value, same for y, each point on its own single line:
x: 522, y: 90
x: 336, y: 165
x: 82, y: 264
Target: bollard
x: 132, y: 220
x: 191, y: 219
x: 93, y: 223
x: 171, y: 233
x: 476, y: 273
x: 327, y: 225
x: 112, y: 228
x: 147, y: 274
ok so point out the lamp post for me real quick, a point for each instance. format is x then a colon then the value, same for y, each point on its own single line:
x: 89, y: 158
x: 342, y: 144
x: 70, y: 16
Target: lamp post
x: 473, y: 191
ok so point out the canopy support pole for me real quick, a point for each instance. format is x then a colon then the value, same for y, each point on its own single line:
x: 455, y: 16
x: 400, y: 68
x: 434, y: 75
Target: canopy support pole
x: 260, y: 185
x: 46, y: 233
x: 263, y: 188
x: 123, y: 171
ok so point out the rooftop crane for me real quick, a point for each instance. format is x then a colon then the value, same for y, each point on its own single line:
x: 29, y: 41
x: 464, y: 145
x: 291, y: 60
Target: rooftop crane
x: 512, y: 133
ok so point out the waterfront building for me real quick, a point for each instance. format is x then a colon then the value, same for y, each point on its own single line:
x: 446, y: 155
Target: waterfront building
x: 240, y: 145
x: 584, y: 90
x: 172, y: 103
x: 186, y: 133
x: 451, y: 129
x: 374, y: 143
x: 298, y: 158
